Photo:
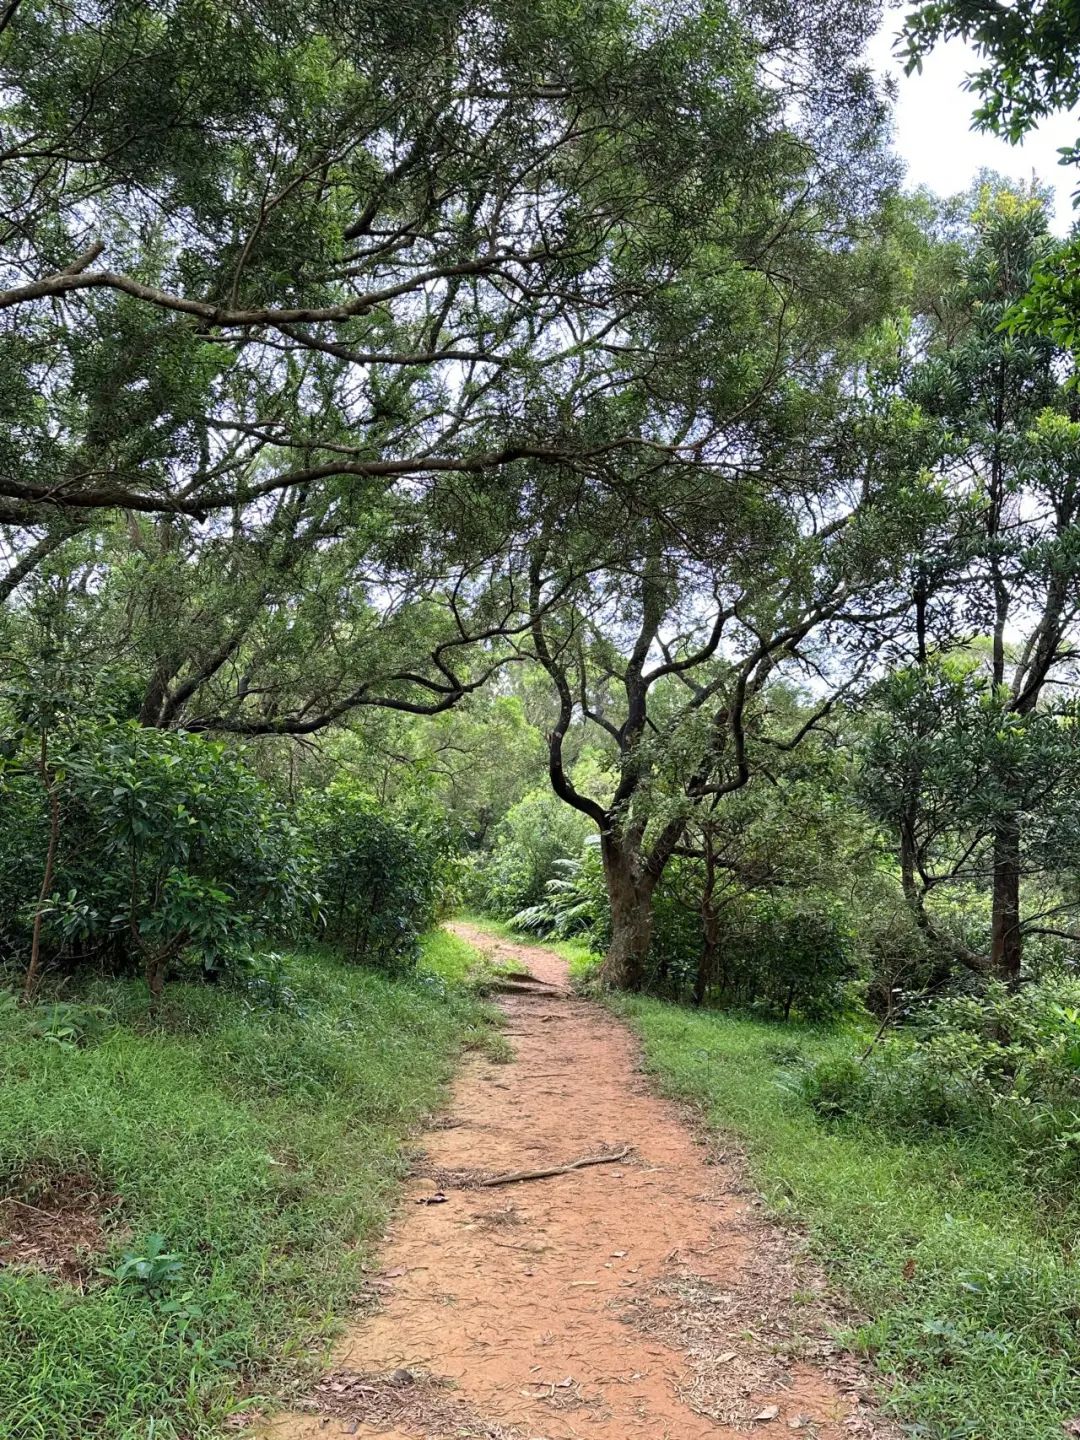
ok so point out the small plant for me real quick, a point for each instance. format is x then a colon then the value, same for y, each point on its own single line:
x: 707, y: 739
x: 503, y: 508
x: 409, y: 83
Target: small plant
x: 68, y: 1025
x: 151, y: 1266
x: 835, y: 1086
x: 263, y: 978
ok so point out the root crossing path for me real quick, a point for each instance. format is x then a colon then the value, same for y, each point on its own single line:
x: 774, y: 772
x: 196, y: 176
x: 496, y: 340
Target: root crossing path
x: 639, y: 1298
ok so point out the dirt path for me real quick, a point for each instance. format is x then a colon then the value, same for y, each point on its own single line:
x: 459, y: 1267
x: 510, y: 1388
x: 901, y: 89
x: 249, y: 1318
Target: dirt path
x: 641, y: 1300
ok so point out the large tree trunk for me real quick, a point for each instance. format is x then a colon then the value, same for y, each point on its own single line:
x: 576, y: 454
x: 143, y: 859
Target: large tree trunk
x: 1006, y: 947
x: 630, y: 891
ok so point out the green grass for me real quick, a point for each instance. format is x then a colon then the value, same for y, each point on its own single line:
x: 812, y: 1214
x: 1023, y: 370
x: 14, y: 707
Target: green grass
x: 263, y: 1145
x: 973, y: 1293
x: 450, y: 958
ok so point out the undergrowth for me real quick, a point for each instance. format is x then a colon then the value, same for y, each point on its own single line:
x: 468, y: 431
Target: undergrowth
x: 252, y: 1143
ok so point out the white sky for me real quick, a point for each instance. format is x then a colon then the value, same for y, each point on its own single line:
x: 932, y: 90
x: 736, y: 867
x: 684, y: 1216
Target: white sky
x: 934, y: 135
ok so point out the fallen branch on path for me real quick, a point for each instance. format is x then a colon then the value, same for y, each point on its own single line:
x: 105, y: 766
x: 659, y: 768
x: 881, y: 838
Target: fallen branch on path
x: 519, y: 1175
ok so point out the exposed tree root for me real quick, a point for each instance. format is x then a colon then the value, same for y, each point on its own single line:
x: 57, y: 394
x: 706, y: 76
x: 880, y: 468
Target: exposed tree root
x: 519, y: 1175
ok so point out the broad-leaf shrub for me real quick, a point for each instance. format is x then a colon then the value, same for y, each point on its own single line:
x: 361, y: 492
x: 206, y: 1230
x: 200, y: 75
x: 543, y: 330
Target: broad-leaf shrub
x: 532, y: 841
x: 382, y: 877
x: 171, y: 851
x: 782, y: 952
x: 23, y: 839
x: 575, y: 901
x: 776, y: 951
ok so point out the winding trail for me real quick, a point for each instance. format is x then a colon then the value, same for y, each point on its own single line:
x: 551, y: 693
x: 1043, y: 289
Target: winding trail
x: 639, y: 1300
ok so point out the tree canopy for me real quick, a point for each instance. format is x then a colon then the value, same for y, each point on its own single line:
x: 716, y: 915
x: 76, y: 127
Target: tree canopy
x: 447, y: 397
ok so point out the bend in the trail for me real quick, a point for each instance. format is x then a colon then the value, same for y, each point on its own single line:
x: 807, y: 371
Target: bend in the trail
x: 644, y: 1299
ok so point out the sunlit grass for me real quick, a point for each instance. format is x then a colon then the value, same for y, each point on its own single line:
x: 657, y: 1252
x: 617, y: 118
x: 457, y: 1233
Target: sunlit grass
x: 583, y: 962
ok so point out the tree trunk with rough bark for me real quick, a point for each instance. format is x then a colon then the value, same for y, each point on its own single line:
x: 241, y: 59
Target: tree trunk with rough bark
x: 630, y: 892
x: 1006, y: 946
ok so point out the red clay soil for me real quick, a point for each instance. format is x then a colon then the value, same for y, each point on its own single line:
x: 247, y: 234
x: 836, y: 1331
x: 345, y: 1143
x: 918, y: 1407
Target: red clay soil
x: 640, y: 1300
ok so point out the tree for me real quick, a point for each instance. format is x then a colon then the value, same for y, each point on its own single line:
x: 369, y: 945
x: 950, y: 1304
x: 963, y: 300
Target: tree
x: 670, y: 657
x: 995, y: 429
x: 296, y: 305
x: 1028, y: 50
x: 266, y: 247
x: 947, y: 765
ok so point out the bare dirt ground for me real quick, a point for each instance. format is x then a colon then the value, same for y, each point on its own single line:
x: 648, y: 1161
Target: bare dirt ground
x: 643, y: 1299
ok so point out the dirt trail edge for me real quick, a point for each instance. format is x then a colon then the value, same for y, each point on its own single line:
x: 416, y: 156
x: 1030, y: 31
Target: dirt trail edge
x: 642, y: 1298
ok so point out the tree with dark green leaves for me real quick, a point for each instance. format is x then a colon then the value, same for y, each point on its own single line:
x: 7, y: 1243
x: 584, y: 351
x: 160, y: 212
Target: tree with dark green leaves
x: 297, y: 284
x: 256, y: 248
x: 972, y: 751
x: 667, y: 651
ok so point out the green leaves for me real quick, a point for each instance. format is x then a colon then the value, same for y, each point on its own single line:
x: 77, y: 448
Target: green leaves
x: 171, y: 850
x: 381, y: 876
x: 152, y: 1265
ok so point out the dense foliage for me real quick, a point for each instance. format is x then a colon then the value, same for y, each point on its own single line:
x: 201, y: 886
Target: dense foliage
x: 383, y: 879
x: 998, y: 1066
x: 170, y: 854
x: 533, y: 456
x: 167, y: 848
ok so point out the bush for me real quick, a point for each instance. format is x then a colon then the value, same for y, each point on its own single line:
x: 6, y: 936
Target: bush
x: 781, y: 952
x: 575, y: 901
x: 382, y: 877
x: 534, y: 838
x: 170, y: 852
x: 836, y: 1086
x: 1003, y: 1066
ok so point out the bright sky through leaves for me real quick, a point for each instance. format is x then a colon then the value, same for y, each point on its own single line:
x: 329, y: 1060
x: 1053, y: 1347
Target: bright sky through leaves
x: 934, y: 134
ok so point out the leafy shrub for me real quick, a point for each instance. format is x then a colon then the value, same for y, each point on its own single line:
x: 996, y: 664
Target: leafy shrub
x: 23, y: 838
x: 534, y: 839
x: 170, y: 851
x: 1004, y: 1065
x: 836, y: 1086
x: 153, y: 1266
x: 382, y: 877
x: 782, y: 952
x: 791, y: 952
x: 67, y: 1024
x: 574, y: 903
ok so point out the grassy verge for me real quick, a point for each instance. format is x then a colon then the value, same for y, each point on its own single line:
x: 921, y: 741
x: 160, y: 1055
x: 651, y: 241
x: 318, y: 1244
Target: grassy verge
x: 262, y: 1144
x: 974, y: 1294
